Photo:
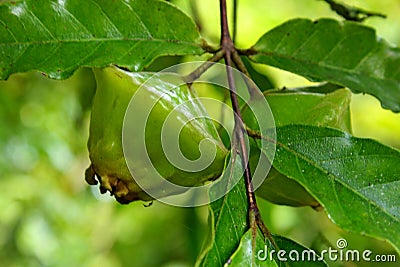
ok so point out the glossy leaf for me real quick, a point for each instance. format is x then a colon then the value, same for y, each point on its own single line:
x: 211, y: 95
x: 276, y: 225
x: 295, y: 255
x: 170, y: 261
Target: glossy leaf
x: 229, y: 240
x: 245, y: 255
x: 296, y: 106
x: 345, y: 53
x: 227, y: 219
x: 57, y: 37
x: 266, y: 255
x: 300, y: 107
x: 263, y: 82
x: 356, y: 180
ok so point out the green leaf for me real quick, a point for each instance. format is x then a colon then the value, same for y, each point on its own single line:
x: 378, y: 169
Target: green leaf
x: 356, y: 180
x: 292, y: 254
x: 332, y: 109
x: 246, y: 256
x: 345, y: 53
x: 227, y: 218
x: 304, y: 255
x: 260, y: 79
x: 281, y: 190
x: 229, y: 240
x: 57, y: 37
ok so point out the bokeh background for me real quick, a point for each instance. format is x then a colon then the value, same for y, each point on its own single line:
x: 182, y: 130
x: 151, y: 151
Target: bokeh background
x: 50, y: 217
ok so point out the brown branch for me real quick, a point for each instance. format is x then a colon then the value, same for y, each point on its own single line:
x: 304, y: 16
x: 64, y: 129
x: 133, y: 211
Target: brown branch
x: 228, y: 47
x: 203, y: 67
x: 208, y: 48
x: 255, y: 220
x: 247, y: 52
x: 252, y: 87
x: 255, y: 134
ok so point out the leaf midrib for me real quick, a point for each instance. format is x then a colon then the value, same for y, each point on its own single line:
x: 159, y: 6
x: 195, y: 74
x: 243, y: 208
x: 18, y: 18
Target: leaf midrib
x: 99, y: 40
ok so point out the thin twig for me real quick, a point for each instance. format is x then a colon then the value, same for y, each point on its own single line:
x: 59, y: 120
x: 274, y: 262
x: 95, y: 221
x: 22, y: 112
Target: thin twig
x: 352, y: 13
x: 239, y: 63
x: 255, y: 134
x: 208, y: 48
x: 252, y: 87
x: 247, y: 52
x: 203, y: 67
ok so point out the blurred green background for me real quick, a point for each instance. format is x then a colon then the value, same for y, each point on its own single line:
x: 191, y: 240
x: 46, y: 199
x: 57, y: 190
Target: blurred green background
x: 49, y: 216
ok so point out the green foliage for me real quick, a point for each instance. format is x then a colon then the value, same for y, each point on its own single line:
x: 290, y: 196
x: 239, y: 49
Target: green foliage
x: 229, y: 241
x: 354, y: 179
x: 319, y: 109
x: 58, y: 37
x: 313, y: 108
x: 260, y: 79
x: 317, y: 160
x: 344, y: 53
x: 227, y: 220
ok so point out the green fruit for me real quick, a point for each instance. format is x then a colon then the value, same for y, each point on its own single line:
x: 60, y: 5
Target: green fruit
x: 298, y: 107
x: 115, y: 89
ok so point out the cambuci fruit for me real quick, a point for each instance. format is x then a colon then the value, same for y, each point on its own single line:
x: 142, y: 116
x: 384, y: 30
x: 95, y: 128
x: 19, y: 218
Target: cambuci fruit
x: 115, y: 89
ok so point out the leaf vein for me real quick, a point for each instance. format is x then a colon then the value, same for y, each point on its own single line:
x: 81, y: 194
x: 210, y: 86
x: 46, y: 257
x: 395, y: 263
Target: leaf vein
x: 336, y: 179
